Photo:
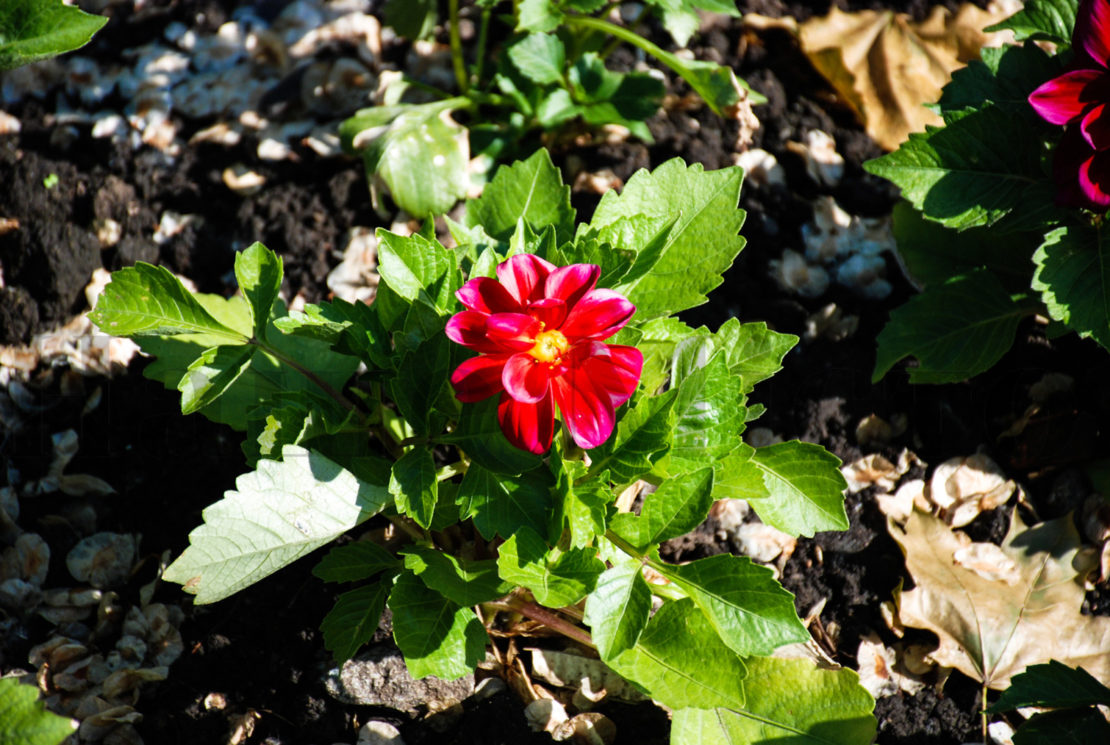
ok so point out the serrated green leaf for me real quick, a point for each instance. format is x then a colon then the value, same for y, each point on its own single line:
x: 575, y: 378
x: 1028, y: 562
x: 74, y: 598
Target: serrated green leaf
x: 1075, y: 727
x: 525, y: 559
x: 586, y: 508
x: 614, y: 263
x: 415, y: 267
x: 32, y: 30
x: 788, y: 701
x: 1073, y: 277
x: 700, y: 245
x: 538, y: 15
x: 212, y: 374
x: 462, y: 582
x: 1004, y: 76
x: 617, y: 610
x: 1047, y: 20
x: 414, y: 486
x: 295, y: 418
x: 1052, y: 685
x: 349, y: 328
x: 24, y: 719
x: 643, y: 435
x: 678, y: 506
x: 353, y: 619
x: 751, y: 611
x: 977, y: 170
x: 709, y: 415
x: 803, y: 488
x: 609, y: 97
x: 147, y: 300
x: 752, y: 350
x: 258, y: 271
x: 502, y: 505
x: 531, y: 190
x: 412, y: 19
x: 680, y: 661
x: 660, y: 337
x: 436, y: 636
x: 480, y: 437
x: 278, y: 513
x: 539, y: 57
x: 355, y: 561
x: 421, y: 376
x: 955, y: 330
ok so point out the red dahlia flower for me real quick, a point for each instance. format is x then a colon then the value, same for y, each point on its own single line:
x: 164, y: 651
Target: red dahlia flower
x: 539, y: 331
x: 1078, y: 99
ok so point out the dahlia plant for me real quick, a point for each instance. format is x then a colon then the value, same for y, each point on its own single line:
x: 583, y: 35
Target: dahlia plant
x: 1006, y: 202
x: 489, y: 408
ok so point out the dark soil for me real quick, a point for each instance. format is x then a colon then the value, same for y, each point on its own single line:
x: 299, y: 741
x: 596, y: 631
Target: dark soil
x: 262, y: 648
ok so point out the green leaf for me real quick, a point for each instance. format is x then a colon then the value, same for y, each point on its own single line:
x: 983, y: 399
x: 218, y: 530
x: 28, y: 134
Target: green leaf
x: 415, y: 267
x: 531, y: 190
x: 502, y: 505
x: 617, y: 610
x: 524, y: 559
x: 539, y: 57
x: 258, y: 271
x: 1076, y: 727
x: 538, y: 15
x: 751, y: 611
x: 752, y: 350
x: 788, y: 701
x: 709, y: 415
x: 678, y: 506
x: 680, y: 661
x: 211, y: 374
x: 643, y: 435
x: 614, y: 263
x: 977, y: 170
x: 1073, y: 277
x: 147, y: 300
x: 1052, y: 685
x: 702, y: 242
x: 32, y: 30
x: 1004, y: 76
x: 716, y: 84
x: 349, y: 328
x: 556, y: 108
x: 586, y: 508
x: 421, y: 376
x: 464, y: 583
x: 660, y: 337
x: 412, y: 19
x: 297, y: 418
x: 609, y: 97
x: 479, y: 435
x: 956, y: 330
x: 279, y: 513
x: 353, y: 619
x: 24, y: 719
x: 355, y: 561
x: 436, y: 636
x: 414, y: 486
x: 803, y: 489
x: 1047, y: 20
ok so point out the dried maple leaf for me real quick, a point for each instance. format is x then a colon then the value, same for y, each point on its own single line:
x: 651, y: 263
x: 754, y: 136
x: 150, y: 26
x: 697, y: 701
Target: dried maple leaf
x: 887, y: 67
x: 991, y: 629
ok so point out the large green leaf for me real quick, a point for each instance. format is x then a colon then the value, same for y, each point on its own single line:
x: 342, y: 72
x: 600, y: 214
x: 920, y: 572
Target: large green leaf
x: 956, y: 330
x: 709, y: 415
x: 349, y: 328
x: 977, y: 170
x: 1073, y: 277
x: 278, y: 513
x: 353, y: 619
x: 31, y: 30
x: 414, y: 486
x: 618, y: 608
x: 414, y: 266
x: 531, y: 190
x: 25, y: 721
x: 753, y: 351
x: 421, y: 376
x: 212, y: 374
x: 355, y: 561
x: 789, y: 702
x: 1004, y: 76
x: 502, y: 505
x: 1048, y: 20
x: 678, y: 506
x: 1069, y: 727
x: 803, y: 489
x: 702, y: 242
x: 462, y: 582
x: 751, y: 611
x: 437, y: 637
x: 556, y: 578
x: 1052, y: 685
x: 539, y: 57
x: 258, y: 270
x: 643, y: 434
x: 479, y: 435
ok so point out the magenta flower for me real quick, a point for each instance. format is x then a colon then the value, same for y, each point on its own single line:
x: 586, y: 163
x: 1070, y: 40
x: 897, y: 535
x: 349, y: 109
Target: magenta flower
x: 1078, y: 100
x: 539, y: 331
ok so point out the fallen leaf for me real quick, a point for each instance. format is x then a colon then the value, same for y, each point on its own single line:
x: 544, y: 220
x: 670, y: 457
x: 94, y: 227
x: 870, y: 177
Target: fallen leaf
x: 991, y: 629
x: 887, y: 66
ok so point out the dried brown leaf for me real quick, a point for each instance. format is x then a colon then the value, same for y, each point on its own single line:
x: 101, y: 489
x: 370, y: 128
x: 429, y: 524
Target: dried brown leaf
x: 991, y: 629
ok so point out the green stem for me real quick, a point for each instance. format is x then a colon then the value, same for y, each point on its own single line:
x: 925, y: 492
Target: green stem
x: 324, y: 385
x: 456, y: 48
x: 547, y: 618
x: 483, y: 37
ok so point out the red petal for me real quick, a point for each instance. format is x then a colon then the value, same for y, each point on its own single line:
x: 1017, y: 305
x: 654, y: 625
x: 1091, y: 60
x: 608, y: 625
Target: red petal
x: 487, y: 295
x: 598, y: 315
x: 570, y: 283
x: 527, y: 426
x: 1092, y: 30
x: 1096, y: 127
x: 617, y: 372
x: 523, y: 276
x: 1064, y: 99
x: 479, y: 377
x: 1094, y: 180
x: 587, y: 412
x: 551, y: 312
x: 468, y: 328
x: 525, y: 379
x: 512, y: 331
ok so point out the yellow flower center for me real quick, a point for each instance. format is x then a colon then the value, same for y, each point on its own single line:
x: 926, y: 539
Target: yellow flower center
x: 550, y: 346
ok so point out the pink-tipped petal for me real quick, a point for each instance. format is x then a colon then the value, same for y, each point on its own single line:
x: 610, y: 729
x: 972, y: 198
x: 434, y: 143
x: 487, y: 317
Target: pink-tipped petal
x: 1066, y: 98
x: 487, y: 295
x: 587, y: 411
x: 527, y: 426
x: 523, y: 276
x: 525, y: 379
x: 478, y: 378
x: 512, y: 331
x: 597, y: 316
x: 1092, y: 30
x: 551, y: 312
x: 570, y: 283
x: 617, y: 372
x: 468, y: 328
x: 1096, y: 127
x: 1094, y: 180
